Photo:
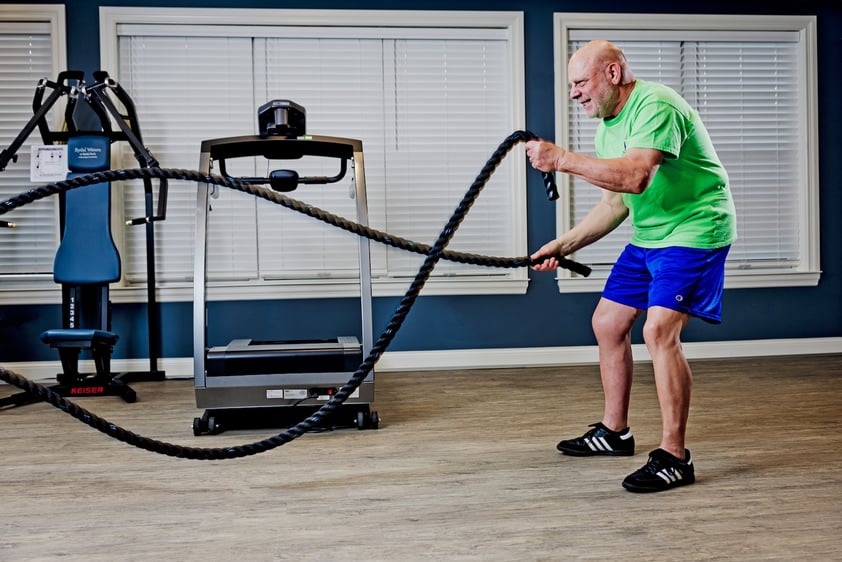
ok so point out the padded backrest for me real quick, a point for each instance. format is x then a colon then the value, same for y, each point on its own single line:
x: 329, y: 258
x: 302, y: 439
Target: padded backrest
x: 87, y: 253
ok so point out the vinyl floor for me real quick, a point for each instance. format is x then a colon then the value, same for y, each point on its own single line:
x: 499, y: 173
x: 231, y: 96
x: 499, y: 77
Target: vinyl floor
x: 462, y: 468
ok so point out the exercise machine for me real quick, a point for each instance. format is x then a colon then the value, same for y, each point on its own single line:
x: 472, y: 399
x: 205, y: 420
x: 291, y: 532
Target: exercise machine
x: 253, y: 383
x: 87, y: 260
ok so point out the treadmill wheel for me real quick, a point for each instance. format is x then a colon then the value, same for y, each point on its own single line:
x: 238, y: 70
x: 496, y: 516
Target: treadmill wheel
x: 366, y: 420
x: 205, y: 425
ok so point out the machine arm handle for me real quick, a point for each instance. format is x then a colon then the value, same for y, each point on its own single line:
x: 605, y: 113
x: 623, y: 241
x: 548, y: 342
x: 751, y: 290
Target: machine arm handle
x: 40, y: 111
x: 130, y: 128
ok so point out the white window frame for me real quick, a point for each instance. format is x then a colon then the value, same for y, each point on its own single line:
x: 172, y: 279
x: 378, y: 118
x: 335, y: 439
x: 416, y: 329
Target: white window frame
x: 35, y: 289
x: 51, y: 14
x: 512, y: 22
x: 808, y: 272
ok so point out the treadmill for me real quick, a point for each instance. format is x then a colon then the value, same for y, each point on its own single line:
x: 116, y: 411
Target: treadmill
x: 257, y: 383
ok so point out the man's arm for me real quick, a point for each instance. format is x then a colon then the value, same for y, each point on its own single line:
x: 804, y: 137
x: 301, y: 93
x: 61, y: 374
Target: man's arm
x: 630, y: 173
x: 604, y: 217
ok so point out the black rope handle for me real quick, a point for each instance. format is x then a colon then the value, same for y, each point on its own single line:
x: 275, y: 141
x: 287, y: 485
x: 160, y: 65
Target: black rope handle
x: 387, y: 335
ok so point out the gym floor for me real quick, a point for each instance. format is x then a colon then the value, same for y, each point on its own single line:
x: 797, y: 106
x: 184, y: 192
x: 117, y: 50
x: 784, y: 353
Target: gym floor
x: 463, y: 467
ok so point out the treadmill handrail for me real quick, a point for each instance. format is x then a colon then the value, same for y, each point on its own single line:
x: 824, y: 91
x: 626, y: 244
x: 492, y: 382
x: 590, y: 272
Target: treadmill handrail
x: 281, y: 148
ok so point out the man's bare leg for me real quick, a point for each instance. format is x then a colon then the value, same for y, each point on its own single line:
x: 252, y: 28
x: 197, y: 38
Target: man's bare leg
x: 612, y: 323
x: 673, y: 378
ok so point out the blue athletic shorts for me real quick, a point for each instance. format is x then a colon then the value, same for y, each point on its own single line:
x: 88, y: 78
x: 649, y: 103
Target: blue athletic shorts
x: 688, y: 280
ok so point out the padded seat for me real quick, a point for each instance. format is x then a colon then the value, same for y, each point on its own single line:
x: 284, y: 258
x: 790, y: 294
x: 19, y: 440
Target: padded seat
x: 79, y: 337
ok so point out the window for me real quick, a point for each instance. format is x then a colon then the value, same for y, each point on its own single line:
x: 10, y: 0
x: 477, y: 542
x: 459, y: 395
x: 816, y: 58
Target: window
x: 430, y: 100
x: 753, y: 82
x: 32, y: 48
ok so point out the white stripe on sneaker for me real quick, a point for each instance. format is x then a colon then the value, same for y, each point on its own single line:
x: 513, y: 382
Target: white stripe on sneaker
x: 598, y: 444
x: 669, y: 475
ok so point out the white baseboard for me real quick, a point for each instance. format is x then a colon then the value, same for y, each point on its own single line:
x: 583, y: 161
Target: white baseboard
x: 397, y: 361
x: 587, y: 355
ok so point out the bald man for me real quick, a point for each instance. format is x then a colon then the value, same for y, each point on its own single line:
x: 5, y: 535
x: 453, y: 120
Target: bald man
x: 656, y: 164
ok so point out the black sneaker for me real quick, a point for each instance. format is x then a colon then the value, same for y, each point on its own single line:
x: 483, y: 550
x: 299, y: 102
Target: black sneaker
x: 662, y: 472
x: 599, y: 441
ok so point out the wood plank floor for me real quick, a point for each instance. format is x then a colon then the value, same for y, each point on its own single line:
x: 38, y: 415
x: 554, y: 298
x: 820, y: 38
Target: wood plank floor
x: 463, y: 467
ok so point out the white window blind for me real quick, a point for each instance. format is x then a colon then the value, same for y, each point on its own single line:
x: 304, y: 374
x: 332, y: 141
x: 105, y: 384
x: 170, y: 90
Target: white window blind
x: 746, y: 93
x: 429, y: 106
x: 451, y: 110
x: 26, y: 56
x: 339, y: 82
x: 187, y: 89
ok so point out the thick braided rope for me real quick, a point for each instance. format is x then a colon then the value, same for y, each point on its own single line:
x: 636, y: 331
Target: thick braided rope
x: 47, y: 190
x: 434, y: 253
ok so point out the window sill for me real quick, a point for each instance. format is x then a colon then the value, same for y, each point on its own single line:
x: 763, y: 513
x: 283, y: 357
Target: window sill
x: 733, y: 280
x: 50, y: 293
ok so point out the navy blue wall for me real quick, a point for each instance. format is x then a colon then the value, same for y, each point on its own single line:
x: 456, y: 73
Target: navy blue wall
x: 542, y: 317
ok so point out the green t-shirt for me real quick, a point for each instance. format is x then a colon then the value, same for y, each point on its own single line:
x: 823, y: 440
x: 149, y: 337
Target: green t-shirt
x: 688, y: 202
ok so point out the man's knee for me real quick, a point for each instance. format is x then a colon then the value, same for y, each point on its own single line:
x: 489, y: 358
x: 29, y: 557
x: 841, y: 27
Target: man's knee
x: 602, y: 324
x: 612, y: 320
x: 663, y: 326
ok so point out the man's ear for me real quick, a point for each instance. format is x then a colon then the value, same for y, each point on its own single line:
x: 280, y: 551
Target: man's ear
x: 614, y: 74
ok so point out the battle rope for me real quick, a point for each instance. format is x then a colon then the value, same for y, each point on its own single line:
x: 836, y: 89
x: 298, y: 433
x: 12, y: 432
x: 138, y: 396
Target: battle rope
x: 433, y: 253
x: 283, y: 200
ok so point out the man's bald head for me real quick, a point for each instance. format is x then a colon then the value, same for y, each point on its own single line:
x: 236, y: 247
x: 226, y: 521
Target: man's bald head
x: 600, y: 78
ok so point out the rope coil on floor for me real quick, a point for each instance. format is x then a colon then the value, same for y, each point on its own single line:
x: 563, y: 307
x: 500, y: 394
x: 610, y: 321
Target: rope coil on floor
x: 434, y: 253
